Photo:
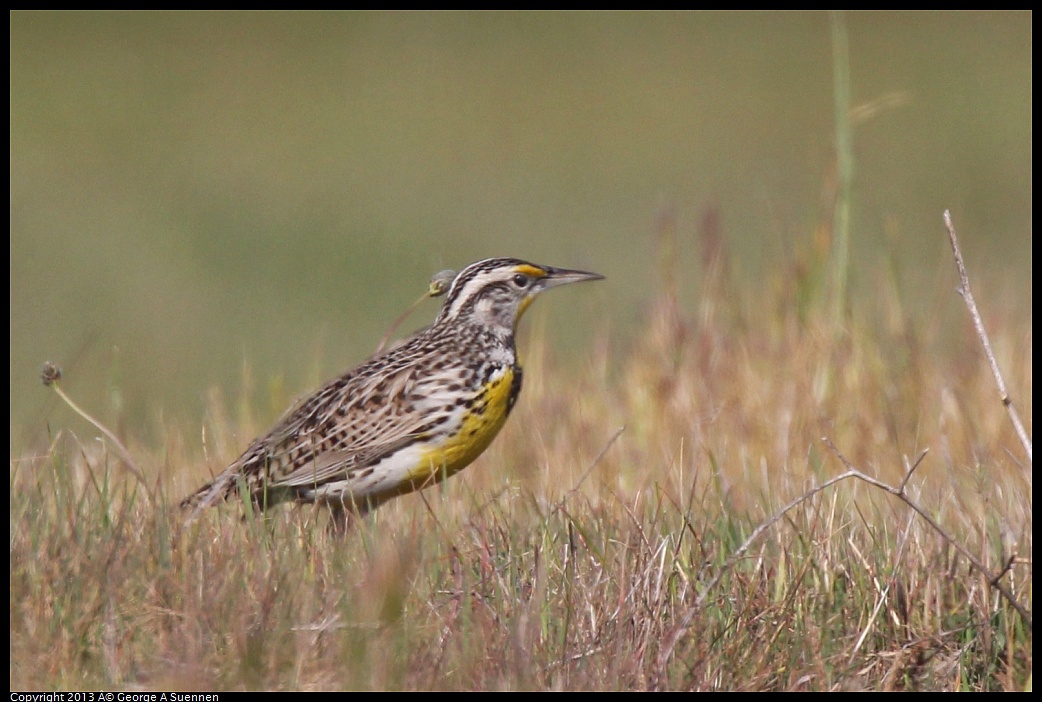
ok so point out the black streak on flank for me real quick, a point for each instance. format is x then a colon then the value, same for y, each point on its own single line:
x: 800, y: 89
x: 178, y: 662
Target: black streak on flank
x: 515, y: 387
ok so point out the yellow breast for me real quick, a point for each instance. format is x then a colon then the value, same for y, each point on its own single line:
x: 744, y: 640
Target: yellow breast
x: 480, y: 424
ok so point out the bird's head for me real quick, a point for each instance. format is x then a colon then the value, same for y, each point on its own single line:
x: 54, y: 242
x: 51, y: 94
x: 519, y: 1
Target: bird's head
x: 496, y: 292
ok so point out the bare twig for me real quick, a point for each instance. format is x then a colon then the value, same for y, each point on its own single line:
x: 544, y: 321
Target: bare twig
x: 594, y: 464
x: 964, y: 290
x: 852, y: 472
x: 50, y: 376
x: 685, y: 623
x: 559, y: 505
x: 900, y: 493
x: 439, y: 285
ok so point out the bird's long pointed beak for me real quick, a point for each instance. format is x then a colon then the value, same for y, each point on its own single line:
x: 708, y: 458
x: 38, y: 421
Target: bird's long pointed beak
x: 563, y: 276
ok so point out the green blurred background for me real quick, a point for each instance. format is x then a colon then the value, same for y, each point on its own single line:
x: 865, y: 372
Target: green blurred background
x: 196, y: 192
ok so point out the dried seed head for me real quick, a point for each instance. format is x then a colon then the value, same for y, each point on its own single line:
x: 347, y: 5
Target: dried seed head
x: 50, y: 373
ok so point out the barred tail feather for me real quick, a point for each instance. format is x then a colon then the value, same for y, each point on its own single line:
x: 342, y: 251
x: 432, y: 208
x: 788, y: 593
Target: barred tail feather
x: 214, y: 492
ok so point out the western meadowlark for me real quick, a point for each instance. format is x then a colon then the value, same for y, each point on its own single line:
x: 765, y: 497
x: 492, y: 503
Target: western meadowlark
x: 408, y: 417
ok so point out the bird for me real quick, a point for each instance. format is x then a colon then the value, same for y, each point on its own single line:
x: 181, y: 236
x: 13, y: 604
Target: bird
x: 409, y: 416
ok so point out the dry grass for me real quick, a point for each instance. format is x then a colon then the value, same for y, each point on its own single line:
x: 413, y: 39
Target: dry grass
x: 570, y: 555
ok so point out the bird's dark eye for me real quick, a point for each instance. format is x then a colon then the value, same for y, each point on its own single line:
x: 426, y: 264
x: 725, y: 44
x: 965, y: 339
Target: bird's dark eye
x: 521, y: 280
